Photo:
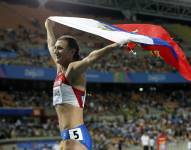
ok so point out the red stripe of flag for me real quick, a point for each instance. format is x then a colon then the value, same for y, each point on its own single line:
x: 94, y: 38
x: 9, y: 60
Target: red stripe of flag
x: 155, y: 31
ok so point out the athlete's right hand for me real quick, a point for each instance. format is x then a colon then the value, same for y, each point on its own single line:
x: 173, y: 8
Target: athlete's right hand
x: 49, y: 23
x: 123, y: 43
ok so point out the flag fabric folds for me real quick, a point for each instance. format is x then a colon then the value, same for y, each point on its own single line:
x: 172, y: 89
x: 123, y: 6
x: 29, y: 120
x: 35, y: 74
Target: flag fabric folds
x: 150, y: 37
x: 104, y: 30
x: 171, y: 52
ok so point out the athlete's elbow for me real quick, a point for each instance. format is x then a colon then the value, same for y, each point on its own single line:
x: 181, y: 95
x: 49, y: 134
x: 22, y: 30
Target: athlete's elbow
x: 93, y: 56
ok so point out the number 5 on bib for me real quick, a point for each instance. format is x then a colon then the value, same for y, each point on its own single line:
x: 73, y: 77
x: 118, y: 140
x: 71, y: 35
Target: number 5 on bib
x: 76, y: 134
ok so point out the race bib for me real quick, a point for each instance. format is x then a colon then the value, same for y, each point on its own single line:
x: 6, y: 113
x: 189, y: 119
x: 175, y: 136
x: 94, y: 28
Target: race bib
x: 76, y: 134
x: 57, y: 95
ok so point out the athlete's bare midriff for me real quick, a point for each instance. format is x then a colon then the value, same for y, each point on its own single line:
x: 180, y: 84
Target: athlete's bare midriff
x: 69, y: 116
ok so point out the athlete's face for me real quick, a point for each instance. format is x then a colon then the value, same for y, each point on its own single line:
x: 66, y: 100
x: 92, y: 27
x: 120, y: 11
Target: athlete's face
x: 64, y: 55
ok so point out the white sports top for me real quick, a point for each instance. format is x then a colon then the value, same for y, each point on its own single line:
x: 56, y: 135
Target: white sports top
x: 63, y: 92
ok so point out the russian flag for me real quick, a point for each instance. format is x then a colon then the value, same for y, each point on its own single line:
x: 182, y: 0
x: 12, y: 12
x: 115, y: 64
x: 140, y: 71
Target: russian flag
x: 168, y: 49
x: 150, y: 37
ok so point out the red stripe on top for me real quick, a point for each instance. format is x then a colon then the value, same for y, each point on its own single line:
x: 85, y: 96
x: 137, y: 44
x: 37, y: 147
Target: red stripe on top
x: 78, y: 93
x: 78, y: 96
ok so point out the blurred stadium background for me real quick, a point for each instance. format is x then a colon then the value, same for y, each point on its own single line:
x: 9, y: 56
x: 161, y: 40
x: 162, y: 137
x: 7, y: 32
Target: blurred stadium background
x: 127, y: 95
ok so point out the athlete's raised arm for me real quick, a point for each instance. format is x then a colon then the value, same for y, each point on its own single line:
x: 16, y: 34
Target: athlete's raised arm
x: 51, y: 40
x: 82, y: 65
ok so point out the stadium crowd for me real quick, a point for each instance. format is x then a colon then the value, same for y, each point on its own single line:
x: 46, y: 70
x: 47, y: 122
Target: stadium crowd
x: 27, y: 127
x: 153, y: 113
x: 123, y: 116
